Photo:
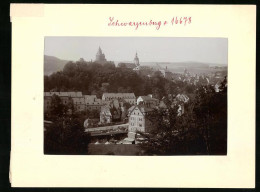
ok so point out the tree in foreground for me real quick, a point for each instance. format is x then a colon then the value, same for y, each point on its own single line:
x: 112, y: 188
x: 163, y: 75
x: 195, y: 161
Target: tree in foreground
x: 201, y: 130
x: 66, y: 134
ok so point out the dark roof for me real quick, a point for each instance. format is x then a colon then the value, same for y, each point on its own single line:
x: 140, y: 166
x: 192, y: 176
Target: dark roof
x: 148, y: 98
x: 142, y: 108
x: 121, y: 95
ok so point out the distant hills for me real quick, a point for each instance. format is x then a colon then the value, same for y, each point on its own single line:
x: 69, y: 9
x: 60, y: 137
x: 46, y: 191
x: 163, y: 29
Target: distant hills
x: 53, y: 64
x: 187, y: 64
x: 191, y: 66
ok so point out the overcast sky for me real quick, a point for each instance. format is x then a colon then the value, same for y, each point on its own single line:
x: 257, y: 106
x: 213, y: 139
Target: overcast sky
x: 149, y: 49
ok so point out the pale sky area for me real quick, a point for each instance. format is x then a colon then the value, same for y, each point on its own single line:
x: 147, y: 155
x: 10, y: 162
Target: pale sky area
x: 149, y: 49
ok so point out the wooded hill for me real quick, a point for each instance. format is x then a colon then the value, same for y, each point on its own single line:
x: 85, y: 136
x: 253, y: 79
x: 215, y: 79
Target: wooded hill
x: 94, y: 78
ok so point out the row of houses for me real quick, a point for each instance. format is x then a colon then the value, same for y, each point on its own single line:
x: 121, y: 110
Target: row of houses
x: 112, y: 107
x: 87, y: 102
x: 127, y: 97
x: 81, y: 102
x: 138, y: 115
x: 91, y: 102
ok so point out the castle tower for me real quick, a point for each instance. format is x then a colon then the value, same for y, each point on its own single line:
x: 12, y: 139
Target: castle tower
x: 100, y: 57
x: 136, y: 60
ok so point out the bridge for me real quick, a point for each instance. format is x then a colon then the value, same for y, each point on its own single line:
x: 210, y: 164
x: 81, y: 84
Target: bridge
x: 107, y: 133
x: 108, y: 130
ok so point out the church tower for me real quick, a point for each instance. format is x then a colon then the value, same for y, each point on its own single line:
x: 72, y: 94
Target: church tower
x: 100, y: 57
x: 136, y: 60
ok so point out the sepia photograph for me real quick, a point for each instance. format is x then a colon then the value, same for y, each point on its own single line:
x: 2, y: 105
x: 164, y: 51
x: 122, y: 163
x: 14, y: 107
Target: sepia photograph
x: 133, y: 107
x: 135, y: 96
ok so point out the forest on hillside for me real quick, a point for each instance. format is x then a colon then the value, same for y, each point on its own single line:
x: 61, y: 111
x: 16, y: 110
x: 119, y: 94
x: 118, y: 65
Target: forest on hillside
x: 94, y: 78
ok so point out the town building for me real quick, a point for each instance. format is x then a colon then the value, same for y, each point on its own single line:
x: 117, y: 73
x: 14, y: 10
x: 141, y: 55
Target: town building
x: 64, y: 96
x: 117, y: 110
x: 178, y: 100
x: 182, y: 98
x: 127, y: 97
x: 93, y: 103
x: 138, y: 119
x: 166, y: 73
x: 147, y: 101
x: 105, y: 115
x: 79, y: 103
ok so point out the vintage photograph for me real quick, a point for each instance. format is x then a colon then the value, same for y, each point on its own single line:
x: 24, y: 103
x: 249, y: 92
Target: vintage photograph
x: 136, y: 96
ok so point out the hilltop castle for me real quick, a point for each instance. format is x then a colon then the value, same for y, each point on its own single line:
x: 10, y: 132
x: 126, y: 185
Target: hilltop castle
x: 100, y: 57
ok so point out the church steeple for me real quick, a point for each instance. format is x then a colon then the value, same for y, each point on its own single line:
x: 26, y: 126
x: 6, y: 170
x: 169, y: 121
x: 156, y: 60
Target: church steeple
x: 99, y: 51
x: 136, y: 60
x: 100, y: 57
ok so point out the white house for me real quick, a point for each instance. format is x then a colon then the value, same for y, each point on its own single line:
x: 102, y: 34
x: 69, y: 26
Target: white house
x: 147, y: 101
x: 138, y: 119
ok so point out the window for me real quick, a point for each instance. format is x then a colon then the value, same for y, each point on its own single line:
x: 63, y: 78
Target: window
x: 140, y: 125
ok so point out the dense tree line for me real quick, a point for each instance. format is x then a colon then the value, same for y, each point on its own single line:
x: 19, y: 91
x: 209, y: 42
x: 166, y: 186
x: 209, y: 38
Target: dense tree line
x: 94, y: 78
x: 201, y: 130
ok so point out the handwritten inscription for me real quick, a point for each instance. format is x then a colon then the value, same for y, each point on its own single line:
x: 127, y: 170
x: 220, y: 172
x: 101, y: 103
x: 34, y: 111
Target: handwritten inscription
x: 151, y: 23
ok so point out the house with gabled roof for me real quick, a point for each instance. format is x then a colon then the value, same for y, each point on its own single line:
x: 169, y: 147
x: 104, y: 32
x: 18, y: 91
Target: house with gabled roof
x: 138, y: 119
x: 128, y: 97
x: 93, y: 103
x: 105, y: 114
x: 64, y: 96
x: 147, y: 101
x: 178, y: 100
